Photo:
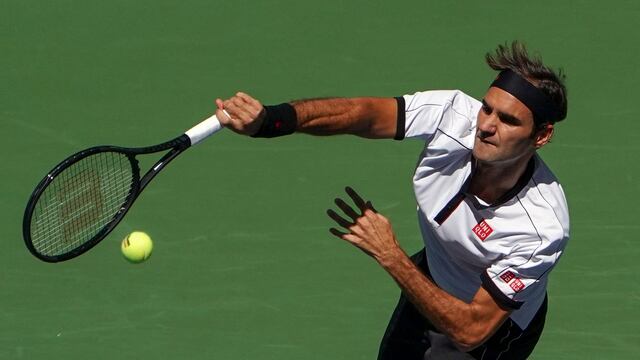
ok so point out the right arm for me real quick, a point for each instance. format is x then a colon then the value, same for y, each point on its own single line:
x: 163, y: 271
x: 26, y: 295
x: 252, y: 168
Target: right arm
x: 367, y: 117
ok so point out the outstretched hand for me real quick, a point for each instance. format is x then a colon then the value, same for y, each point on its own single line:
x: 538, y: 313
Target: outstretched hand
x: 366, y: 229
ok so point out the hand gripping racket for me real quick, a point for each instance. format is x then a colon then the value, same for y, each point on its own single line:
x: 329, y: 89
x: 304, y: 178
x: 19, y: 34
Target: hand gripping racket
x: 84, y: 197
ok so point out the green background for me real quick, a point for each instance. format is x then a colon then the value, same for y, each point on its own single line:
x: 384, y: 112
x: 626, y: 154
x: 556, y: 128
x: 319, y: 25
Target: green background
x: 243, y: 265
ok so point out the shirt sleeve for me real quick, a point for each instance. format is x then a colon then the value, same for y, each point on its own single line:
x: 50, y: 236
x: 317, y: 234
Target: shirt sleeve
x: 523, y: 274
x: 425, y: 112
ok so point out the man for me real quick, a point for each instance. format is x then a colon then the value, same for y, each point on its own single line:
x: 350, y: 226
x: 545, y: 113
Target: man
x: 493, y: 217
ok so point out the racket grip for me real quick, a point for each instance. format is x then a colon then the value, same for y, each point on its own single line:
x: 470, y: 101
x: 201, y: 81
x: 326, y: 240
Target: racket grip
x: 204, y: 129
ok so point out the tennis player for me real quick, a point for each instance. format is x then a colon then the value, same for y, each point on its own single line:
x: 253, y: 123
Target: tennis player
x: 493, y: 217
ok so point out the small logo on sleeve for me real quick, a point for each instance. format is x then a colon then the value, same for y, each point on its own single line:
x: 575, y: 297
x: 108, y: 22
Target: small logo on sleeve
x: 510, y: 278
x: 482, y: 230
x: 517, y: 285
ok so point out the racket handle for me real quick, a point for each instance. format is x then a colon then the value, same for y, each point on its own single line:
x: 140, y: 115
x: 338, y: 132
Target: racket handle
x: 204, y: 129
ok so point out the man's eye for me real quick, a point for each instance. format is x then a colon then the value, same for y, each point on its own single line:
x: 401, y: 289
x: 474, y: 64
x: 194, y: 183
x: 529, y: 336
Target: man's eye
x: 509, y: 120
x: 486, y: 109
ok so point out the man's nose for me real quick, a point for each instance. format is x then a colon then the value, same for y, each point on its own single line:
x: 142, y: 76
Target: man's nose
x: 487, y: 127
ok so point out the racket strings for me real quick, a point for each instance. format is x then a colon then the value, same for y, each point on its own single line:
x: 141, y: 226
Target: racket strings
x: 80, y: 202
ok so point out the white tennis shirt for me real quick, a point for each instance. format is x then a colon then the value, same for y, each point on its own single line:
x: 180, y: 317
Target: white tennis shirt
x: 510, y: 246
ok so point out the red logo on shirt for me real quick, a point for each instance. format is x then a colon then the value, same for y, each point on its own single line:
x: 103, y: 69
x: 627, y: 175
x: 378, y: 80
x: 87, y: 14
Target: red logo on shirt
x: 508, y: 276
x: 482, y: 230
x: 517, y: 285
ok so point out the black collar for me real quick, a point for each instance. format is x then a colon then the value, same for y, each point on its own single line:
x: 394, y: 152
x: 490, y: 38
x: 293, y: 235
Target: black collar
x: 457, y: 199
x: 520, y: 184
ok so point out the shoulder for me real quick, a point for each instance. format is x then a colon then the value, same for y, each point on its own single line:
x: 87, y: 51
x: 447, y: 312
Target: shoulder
x: 548, y: 199
x: 446, y: 110
x: 445, y: 99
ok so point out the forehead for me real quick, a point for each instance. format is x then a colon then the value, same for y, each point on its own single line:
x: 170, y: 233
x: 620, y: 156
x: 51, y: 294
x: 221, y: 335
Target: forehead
x: 504, y: 102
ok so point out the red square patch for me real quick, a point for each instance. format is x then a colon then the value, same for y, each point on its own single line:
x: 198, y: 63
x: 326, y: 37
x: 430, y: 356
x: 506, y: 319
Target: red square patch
x: 517, y: 285
x: 508, y: 276
x: 482, y: 230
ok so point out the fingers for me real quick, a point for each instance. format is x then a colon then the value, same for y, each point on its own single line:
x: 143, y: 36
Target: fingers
x: 346, y: 236
x: 255, y: 104
x: 365, y: 219
x: 239, y: 110
x: 348, y: 210
x: 369, y: 231
x: 337, y: 233
x: 360, y: 203
x: 240, y: 113
x: 358, y: 221
x: 370, y: 206
x: 245, y: 106
x: 356, y: 198
x: 222, y: 114
x: 337, y: 218
x: 354, y: 240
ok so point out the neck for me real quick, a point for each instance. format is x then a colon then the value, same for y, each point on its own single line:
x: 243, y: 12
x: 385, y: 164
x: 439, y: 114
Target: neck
x: 491, y: 181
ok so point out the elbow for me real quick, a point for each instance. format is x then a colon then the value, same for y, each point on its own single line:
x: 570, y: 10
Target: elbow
x: 467, y: 342
x: 467, y: 336
x: 377, y: 121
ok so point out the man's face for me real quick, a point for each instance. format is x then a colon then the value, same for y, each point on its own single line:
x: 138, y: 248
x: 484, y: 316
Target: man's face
x: 504, y: 133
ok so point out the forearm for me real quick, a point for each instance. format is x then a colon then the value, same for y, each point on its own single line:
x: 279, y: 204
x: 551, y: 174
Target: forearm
x: 460, y: 321
x: 365, y: 117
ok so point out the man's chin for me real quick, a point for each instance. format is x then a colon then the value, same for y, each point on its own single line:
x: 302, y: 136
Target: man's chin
x: 487, y: 159
x: 481, y: 155
x: 483, y: 151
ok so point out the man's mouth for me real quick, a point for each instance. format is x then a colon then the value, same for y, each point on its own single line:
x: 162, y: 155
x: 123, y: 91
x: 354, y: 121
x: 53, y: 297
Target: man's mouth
x: 486, y: 141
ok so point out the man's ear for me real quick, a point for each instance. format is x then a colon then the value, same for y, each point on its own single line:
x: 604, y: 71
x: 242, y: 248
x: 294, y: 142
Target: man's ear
x: 543, y: 136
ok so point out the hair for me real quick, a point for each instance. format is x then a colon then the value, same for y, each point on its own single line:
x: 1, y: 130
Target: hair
x: 517, y: 59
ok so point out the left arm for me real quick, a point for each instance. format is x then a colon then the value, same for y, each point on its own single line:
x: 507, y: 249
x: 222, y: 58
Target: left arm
x: 467, y: 324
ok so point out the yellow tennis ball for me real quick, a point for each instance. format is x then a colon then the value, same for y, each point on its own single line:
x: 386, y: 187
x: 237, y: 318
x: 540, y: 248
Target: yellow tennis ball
x: 137, y: 247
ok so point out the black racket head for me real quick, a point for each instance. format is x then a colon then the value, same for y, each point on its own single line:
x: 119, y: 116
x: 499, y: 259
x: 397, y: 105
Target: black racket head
x: 79, y: 202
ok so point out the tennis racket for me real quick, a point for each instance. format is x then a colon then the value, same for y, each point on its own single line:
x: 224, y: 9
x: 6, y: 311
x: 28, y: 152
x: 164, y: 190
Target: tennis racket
x: 84, y: 197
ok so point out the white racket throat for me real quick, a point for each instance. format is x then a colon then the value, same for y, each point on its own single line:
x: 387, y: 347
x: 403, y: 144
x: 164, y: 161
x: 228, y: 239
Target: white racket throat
x: 204, y: 129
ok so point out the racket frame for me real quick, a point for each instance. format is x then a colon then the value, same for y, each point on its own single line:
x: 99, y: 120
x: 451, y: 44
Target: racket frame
x: 177, y: 146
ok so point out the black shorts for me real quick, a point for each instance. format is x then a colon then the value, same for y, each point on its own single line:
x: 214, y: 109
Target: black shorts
x: 407, y: 337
